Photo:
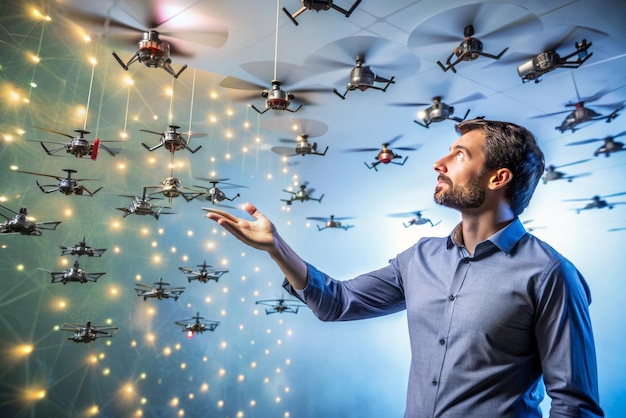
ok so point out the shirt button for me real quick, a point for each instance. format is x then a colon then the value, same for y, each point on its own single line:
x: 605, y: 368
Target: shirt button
x: 466, y: 260
x: 451, y: 298
x: 434, y: 382
x: 442, y: 341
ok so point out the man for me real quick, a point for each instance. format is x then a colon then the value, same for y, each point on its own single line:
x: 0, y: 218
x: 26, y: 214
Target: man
x: 493, y: 312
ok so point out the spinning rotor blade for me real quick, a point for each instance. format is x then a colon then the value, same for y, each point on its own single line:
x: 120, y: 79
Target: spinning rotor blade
x: 572, y: 163
x: 292, y: 125
x: 54, y: 132
x: 285, y: 151
x: 417, y: 213
x: 152, y: 132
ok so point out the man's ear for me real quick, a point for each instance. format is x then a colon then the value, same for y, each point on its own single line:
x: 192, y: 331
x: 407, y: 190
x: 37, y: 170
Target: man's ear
x: 500, y: 178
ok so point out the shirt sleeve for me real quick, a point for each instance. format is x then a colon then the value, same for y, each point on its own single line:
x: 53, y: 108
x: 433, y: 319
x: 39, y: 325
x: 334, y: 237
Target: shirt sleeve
x: 366, y: 296
x: 566, y: 345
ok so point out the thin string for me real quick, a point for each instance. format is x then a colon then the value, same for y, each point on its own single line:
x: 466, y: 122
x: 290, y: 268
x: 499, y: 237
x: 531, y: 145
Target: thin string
x: 276, y: 41
x: 93, y: 70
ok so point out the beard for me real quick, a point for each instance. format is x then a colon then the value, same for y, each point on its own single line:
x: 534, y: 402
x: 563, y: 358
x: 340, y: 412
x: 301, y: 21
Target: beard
x: 466, y: 196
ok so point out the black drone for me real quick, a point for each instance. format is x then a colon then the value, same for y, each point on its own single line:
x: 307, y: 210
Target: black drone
x: 204, y: 274
x: 319, y: 5
x: 214, y: 194
x: 363, y: 78
x: 610, y: 144
x: 303, y: 147
x: 386, y: 155
x: 302, y: 195
x: 141, y: 206
x: 81, y: 248
x: 553, y: 173
x: 172, y: 140
x: 331, y: 222
x: 20, y: 224
x: 549, y: 60
x: 281, y: 305
x: 73, y: 274
x: 160, y: 291
x: 196, y: 325
x: 79, y: 146
x: 468, y: 50
x: 171, y: 187
x: 598, y: 202
x: 67, y: 185
x: 88, y: 333
x: 417, y: 218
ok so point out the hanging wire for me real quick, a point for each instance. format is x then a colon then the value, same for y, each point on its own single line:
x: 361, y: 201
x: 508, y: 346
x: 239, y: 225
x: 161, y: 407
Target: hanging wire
x: 276, y: 41
x: 93, y: 70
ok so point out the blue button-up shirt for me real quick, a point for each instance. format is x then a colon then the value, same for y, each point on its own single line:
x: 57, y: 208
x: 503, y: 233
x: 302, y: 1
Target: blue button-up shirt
x: 484, y: 329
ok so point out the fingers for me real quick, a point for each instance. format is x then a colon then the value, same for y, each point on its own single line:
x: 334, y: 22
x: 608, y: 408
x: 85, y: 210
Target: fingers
x: 217, y: 214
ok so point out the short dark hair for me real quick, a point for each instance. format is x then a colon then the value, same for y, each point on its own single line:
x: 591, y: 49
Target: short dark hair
x: 511, y: 146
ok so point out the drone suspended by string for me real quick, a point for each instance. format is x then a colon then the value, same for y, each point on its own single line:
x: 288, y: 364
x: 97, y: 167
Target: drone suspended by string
x: 88, y: 333
x: 20, y: 224
x: 385, y: 154
x: 319, y: 5
x: 196, y: 325
x: 79, y: 146
x: 332, y: 222
x: 609, y: 146
x: 67, y: 185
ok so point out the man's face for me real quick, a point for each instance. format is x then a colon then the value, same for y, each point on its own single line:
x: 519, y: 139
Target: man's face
x: 461, y: 180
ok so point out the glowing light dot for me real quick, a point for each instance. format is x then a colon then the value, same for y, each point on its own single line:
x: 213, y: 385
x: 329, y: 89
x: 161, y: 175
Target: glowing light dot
x: 183, y: 365
x: 154, y: 244
x: 167, y: 351
x: 190, y: 233
x: 106, y: 371
x: 223, y: 345
x: 278, y: 399
x: 204, y: 387
x: 241, y: 378
x: 221, y: 372
x: 174, y: 402
x: 253, y: 403
x: 92, y: 61
x: 68, y: 212
x: 220, y: 404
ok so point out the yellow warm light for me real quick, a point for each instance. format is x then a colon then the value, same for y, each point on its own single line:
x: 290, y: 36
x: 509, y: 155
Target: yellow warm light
x: 94, y: 410
x: 38, y: 15
x: 33, y: 394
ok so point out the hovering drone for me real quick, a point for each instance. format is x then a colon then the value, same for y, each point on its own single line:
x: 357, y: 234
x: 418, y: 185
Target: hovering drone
x: 196, y: 325
x: 303, y: 147
x: 598, y: 202
x: 302, y: 195
x: 67, y: 185
x: 79, y: 146
x: 88, y: 333
x: 280, y: 305
x: 204, y: 274
x: 386, y: 154
x: 153, y: 53
x: 142, y: 206
x: 439, y: 111
x: 610, y: 144
x: 171, y: 187
x: 417, y: 219
x: 363, y: 78
x: 160, y: 291
x: 172, y: 140
x: 331, y: 222
x: 73, y: 274
x: 81, y: 248
x: 549, y: 60
x: 20, y: 224
x: 468, y: 50
x: 215, y: 195
x: 553, y: 173
x: 319, y: 5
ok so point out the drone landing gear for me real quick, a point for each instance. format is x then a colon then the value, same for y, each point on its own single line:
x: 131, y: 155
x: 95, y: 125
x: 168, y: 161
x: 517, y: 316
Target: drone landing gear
x: 318, y: 5
x: 151, y: 59
x: 385, y: 162
x: 351, y: 87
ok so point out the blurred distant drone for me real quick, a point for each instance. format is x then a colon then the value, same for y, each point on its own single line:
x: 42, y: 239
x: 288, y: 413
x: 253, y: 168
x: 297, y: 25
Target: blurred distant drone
x: 302, y: 195
x: 81, y: 248
x: 281, y: 305
x: 303, y: 147
x: 204, y: 274
x: 439, y: 111
x: 331, y: 222
x: 88, y: 333
x: 196, y: 325
x: 20, y: 224
x: 141, y: 206
x: 553, y: 174
x: 610, y: 145
x: 417, y: 219
x: 160, y: 291
x: 550, y: 60
x: 73, y: 274
x: 386, y: 154
x: 318, y: 5
x: 67, y: 185
x: 214, y: 194
x: 598, y: 202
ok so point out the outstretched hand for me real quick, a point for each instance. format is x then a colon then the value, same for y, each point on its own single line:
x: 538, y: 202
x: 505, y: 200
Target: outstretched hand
x: 259, y: 234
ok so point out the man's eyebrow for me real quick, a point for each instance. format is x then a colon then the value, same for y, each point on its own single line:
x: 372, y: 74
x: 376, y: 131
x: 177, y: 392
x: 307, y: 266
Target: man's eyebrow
x: 462, y: 148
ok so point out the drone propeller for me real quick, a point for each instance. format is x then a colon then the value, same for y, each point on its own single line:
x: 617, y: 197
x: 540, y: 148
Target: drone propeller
x: 416, y: 213
x: 595, y: 197
x: 385, y: 146
x: 556, y: 167
x: 590, y: 140
x: 329, y: 219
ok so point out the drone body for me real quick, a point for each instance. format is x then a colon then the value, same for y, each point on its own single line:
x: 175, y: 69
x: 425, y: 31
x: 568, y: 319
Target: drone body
x: 598, y: 202
x: 609, y: 146
x: 81, y: 248
x: 172, y: 140
x: 363, y: 78
x: 581, y: 115
x: 214, y: 194
x: 74, y: 274
x: 160, y: 291
x: 171, y: 187
x: 550, y: 60
x: 196, y: 325
x: 331, y: 222
x: 204, y: 274
x: 153, y: 53
x: 417, y: 219
x: 386, y: 155
x: 303, y: 147
x: 78, y: 145
x: 468, y: 50
x: 88, y: 333
x: 281, y: 305
x: 319, y: 5
x: 20, y: 224
x: 302, y: 195
x: 142, y: 206
x: 67, y: 185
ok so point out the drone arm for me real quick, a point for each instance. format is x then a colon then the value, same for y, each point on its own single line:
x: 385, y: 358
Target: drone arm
x: 343, y: 96
x: 425, y: 124
x: 258, y: 111
x: 495, y: 57
x: 345, y: 12
x: 403, y: 161
x: 193, y: 151
x: 296, y: 14
x: 320, y: 153
x: 44, y: 190
x: 449, y: 65
x: 294, y: 111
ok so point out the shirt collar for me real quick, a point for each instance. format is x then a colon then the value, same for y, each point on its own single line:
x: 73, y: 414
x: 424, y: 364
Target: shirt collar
x: 505, y: 239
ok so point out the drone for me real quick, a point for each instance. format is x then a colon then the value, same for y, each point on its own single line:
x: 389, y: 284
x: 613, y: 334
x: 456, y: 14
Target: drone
x: 214, y: 194
x: 598, y: 202
x: 161, y: 291
x: 363, y: 78
x: 610, y: 145
x: 81, y: 248
x: 204, y: 274
x: 386, y: 154
x: 172, y: 140
x: 171, y: 187
x: 73, y: 274
x: 153, y: 53
x: 439, y: 111
x: 142, y: 206
x: 303, y: 147
x: 302, y: 195
x: 549, y: 60
x: 196, y: 325
x: 280, y: 305
x: 20, y: 224
x: 67, y: 185
x: 88, y: 333
x: 79, y: 146
x: 531, y: 228
x: 331, y: 222
x: 468, y: 50
x: 318, y: 5
x: 417, y: 219
x: 553, y: 173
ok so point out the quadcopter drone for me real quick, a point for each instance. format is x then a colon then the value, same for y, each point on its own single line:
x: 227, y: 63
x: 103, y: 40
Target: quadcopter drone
x: 610, y: 144
x: 153, y: 53
x: 79, y: 146
x: 417, y: 219
x: 161, y: 291
x: 468, y: 50
x: 331, y: 222
x: 73, y: 274
x: 363, y: 78
x: 171, y: 187
x: 67, y: 185
x: 386, y: 154
x: 20, y: 224
x: 553, y: 173
x: 214, y: 194
x: 302, y: 195
x: 196, y: 325
x: 172, y: 140
x: 549, y: 60
x: 204, y: 274
x: 439, y: 111
x: 142, y: 206
x: 598, y: 202
x: 303, y: 147
x: 81, y: 248
x: 88, y: 333
x: 318, y: 5
x: 280, y: 305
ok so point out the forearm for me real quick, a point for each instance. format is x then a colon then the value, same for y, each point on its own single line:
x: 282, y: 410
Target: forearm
x: 292, y: 265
